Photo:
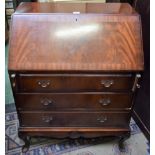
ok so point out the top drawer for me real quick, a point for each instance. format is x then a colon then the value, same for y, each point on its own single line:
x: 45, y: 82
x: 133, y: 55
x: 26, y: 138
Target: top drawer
x: 74, y: 82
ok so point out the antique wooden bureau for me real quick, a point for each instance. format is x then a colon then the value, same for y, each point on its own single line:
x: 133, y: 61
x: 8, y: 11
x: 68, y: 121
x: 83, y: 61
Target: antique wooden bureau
x: 74, y: 68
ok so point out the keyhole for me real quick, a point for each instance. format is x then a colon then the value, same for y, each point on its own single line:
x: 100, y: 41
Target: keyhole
x: 76, y: 19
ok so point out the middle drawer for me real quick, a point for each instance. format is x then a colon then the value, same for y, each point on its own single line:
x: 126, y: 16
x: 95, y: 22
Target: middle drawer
x: 85, y: 101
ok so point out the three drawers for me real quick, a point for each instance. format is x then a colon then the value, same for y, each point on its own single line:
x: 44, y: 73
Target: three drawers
x: 70, y: 100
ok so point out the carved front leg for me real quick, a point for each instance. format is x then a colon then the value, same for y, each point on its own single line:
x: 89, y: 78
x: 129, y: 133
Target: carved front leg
x: 27, y: 141
x: 121, y: 141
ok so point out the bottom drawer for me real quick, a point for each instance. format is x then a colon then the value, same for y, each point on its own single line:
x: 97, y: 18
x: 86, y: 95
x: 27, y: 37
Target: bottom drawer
x: 75, y: 119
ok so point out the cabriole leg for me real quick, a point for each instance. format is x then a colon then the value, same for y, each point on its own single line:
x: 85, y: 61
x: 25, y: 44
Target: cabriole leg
x: 26, y: 147
x: 27, y: 140
x: 121, y: 141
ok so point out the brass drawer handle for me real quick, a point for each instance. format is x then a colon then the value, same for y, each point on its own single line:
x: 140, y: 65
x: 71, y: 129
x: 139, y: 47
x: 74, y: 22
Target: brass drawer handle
x: 47, y: 119
x: 44, y: 83
x: 107, y: 83
x: 105, y: 102
x: 46, y: 101
x: 102, y: 119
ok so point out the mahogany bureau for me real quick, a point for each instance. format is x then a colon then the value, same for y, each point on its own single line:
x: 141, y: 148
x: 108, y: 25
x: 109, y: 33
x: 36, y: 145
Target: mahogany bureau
x: 74, y: 68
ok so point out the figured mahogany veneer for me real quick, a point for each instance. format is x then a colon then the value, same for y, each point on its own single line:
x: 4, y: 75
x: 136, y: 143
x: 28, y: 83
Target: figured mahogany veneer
x: 74, y: 68
x: 67, y: 41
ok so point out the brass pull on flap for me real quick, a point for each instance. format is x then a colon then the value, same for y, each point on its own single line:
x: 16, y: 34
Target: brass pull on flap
x: 107, y: 83
x: 102, y: 119
x: 44, y: 83
x: 13, y: 79
x: 13, y: 76
x: 46, y: 101
x: 136, y: 84
x: 47, y: 119
x: 105, y: 102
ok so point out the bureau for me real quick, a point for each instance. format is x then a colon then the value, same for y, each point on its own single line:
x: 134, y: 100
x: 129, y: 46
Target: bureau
x: 75, y: 68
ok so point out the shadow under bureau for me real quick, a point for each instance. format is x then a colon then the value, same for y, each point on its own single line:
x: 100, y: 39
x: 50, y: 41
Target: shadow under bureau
x: 74, y: 69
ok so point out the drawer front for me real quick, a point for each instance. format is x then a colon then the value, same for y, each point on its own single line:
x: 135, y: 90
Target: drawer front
x: 49, y: 101
x: 78, y: 119
x: 74, y: 82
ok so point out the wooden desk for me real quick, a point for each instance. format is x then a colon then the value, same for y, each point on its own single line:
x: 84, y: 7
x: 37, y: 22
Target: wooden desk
x: 74, y: 68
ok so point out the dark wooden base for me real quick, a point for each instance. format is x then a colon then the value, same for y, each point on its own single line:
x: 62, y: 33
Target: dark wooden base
x: 110, y: 134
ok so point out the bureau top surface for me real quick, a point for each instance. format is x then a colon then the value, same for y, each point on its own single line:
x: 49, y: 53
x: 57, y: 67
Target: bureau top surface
x: 75, y: 36
x: 70, y: 7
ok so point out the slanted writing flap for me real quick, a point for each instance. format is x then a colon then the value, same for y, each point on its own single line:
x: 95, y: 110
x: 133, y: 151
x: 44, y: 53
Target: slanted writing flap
x: 66, y: 41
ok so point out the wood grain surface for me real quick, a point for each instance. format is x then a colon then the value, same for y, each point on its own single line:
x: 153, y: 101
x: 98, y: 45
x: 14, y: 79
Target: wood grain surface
x: 70, y: 7
x: 83, y: 42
